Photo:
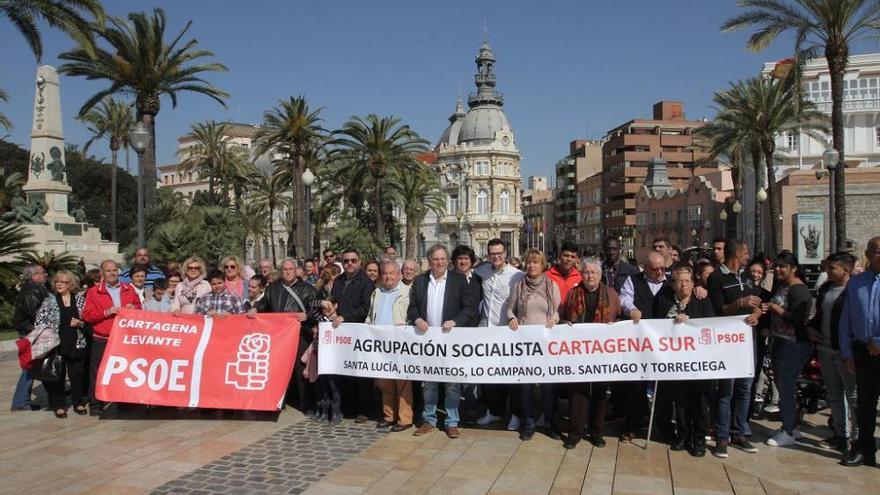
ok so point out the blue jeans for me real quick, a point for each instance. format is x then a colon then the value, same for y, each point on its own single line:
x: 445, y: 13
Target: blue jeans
x: 431, y: 391
x: 789, y: 359
x: 735, y: 392
x: 21, y: 399
x: 840, y: 392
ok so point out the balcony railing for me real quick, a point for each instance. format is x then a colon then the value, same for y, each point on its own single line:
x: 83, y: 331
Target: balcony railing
x: 851, y: 105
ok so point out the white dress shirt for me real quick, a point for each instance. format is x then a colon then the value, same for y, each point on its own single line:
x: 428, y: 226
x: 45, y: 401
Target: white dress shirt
x: 436, y: 293
x: 497, y: 285
x: 628, y: 293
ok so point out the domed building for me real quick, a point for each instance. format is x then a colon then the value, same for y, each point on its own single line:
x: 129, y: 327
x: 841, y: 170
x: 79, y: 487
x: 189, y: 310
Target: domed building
x: 477, y: 162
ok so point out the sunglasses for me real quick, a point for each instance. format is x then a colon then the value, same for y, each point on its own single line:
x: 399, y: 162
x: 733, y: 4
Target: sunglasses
x: 230, y: 266
x: 193, y: 268
x: 350, y: 260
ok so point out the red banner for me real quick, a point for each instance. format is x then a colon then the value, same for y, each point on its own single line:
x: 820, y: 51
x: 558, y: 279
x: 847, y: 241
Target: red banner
x: 232, y: 362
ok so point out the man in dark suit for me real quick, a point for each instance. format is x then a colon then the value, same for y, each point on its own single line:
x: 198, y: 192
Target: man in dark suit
x: 441, y: 298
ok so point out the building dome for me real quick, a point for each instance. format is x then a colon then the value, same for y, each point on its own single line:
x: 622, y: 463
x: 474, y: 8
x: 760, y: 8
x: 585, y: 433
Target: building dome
x: 481, y: 124
x: 450, y: 135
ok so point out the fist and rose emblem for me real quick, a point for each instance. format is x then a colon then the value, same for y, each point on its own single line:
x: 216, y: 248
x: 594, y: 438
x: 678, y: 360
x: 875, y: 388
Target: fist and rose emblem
x: 250, y: 370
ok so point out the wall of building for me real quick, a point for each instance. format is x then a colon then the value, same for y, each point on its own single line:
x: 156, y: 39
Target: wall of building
x: 803, y: 193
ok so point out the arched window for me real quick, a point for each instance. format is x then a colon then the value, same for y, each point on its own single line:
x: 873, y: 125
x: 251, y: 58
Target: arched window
x: 504, y: 200
x: 483, y: 202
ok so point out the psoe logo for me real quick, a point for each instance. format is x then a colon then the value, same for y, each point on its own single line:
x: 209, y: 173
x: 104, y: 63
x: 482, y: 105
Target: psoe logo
x: 250, y: 370
x: 328, y: 337
x: 706, y: 336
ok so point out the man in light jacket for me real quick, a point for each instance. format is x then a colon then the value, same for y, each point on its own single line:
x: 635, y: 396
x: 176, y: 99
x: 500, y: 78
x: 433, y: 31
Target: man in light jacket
x: 388, y: 306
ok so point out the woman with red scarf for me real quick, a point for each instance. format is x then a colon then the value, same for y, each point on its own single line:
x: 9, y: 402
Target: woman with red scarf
x: 591, y: 301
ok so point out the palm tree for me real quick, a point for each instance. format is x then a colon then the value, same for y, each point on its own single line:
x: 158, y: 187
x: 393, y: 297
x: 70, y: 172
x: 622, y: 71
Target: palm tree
x: 292, y: 130
x: 4, y: 121
x: 417, y: 192
x: 829, y: 25
x: 760, y: 109
x: 14, y: 242
x: 375, y: 147
x: 210, y: 147
x: 140, y: 62
x: 52, y: 262
x: 111, y: 120
x: 66, y: 15
x: 236, y: 173
x: 267, y: 191
x: 254, y: 219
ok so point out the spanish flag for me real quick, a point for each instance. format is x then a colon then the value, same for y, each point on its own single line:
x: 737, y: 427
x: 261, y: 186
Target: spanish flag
x: 783, y: 68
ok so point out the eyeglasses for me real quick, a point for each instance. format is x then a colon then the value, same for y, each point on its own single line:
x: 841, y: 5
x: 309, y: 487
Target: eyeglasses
x: 194, y: 267
x: 349, y: 260
x: 230, y: 266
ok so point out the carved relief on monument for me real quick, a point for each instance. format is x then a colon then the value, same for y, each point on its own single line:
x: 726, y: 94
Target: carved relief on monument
x: 56, y: 166
x: 38, y: 164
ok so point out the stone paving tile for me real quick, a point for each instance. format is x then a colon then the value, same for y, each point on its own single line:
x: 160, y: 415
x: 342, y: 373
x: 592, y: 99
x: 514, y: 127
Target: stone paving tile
x: 287, y: 461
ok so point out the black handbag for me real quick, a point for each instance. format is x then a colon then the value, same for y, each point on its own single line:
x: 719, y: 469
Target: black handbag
x: 49, y: 369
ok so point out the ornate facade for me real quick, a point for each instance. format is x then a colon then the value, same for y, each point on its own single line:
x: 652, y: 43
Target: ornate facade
x: 478, y: 165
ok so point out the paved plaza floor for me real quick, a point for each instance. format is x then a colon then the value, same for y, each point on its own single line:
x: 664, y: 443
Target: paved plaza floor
x: 207, y: 453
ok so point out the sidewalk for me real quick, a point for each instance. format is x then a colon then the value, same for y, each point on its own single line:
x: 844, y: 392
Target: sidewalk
x: 204, y: 455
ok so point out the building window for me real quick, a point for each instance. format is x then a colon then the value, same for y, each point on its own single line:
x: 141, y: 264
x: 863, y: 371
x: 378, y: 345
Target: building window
x: 504, y: 200
x: 452, y: 204
x: 482, y: 168
x: 791, y: 140
x: 695, y: 213
x: 653, y: 219
x: 483, y: 202
x: 877, y: 136
x: 666, y: 217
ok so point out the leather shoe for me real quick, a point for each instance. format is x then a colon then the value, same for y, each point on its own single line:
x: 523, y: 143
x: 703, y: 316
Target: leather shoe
x: 424, y: 430
x: 452, y: 432
x: 553, y: 434
x: 697, y: 450
x: 858, y: 459
x: 527, y: 433
x: 597, y: 440
x: 571, y: 442
x: 360, y: 418
x: 398, y: 428
x: 678, y: 445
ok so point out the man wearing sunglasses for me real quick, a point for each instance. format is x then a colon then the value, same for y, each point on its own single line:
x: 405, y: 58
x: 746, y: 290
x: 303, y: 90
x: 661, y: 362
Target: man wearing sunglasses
x: 353, y: 291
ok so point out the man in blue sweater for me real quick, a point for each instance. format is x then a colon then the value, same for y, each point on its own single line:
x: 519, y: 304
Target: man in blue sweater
x: 860, y: 348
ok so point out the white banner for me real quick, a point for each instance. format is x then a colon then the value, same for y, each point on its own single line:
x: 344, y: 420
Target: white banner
x: 704, y: 348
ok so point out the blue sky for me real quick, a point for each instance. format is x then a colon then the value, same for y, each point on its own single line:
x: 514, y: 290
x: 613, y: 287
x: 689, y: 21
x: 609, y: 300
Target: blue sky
x: 568, y: 69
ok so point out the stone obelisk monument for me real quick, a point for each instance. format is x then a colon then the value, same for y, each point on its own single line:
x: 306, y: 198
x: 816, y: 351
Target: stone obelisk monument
x: 47, y: 180
x: 47, y: 170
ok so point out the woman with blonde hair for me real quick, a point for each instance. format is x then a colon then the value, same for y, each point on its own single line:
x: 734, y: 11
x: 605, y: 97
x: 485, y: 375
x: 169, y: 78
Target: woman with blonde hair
x: 61, y: 311
x: 191, y: 287
x: 235, y: 281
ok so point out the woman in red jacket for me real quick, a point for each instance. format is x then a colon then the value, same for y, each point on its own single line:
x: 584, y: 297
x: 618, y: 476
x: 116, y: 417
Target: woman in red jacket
x: 103, y: 302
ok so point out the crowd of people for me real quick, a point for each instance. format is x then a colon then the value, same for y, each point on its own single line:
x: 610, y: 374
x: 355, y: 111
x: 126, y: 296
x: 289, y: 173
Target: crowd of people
x: 839, y: 322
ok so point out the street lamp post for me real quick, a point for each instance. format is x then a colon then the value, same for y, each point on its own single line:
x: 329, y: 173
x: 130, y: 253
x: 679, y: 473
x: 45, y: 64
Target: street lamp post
x: 831, y: 157
x: 140, y: 139
x: 308, y: 178
x: 760, y: 196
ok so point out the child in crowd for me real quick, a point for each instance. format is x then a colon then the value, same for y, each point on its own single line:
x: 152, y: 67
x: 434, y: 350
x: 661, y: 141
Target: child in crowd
x: 219, y: 302
x: 157, y: 301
